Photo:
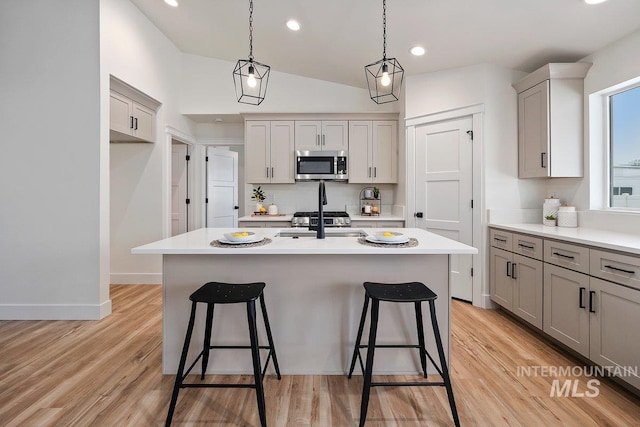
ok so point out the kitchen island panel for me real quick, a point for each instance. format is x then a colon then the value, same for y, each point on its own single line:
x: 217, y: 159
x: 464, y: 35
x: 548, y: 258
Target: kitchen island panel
x: 314, y: 304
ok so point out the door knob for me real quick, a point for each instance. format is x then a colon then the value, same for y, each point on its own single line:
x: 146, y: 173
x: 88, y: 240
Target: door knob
x: 236, y: 207
x: 418, y: 215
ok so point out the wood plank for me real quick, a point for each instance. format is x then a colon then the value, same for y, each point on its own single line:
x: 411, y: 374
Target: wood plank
x: 108, y: 372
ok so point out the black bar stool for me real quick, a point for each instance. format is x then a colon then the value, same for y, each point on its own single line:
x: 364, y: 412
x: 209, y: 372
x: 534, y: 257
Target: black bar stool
x: 416, y: 293
x: 226, y: 293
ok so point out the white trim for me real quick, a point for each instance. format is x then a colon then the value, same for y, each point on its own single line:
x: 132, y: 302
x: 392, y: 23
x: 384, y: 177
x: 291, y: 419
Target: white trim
x: 221, y: 141
x: 55, y: 311
x: 476, y: 113
x: 455, y: 113
x: 136, y: 278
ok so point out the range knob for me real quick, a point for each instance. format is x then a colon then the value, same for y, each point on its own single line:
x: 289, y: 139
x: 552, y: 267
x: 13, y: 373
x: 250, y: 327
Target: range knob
x: 339, y: 220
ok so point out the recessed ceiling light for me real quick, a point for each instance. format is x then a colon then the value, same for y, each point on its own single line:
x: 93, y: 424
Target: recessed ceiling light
x: 293, y: 25
x: 594, y: 1
x: 417, y: 50
x: 173, y: 3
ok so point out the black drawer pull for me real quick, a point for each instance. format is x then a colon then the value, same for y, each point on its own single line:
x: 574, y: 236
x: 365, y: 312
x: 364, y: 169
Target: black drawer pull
x: 522, y: 245
x: 620, y: 269
x: 563, y: 255
x: 581, y: 303
x: 500, y: 240
x: 591, y: 294
x: 513, y: 271
x: 508, y: 267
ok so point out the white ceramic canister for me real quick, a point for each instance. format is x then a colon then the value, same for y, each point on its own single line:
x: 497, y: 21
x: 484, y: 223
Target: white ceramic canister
x: 567, y: 216
x: 550, y: 207
x: 272, y: 209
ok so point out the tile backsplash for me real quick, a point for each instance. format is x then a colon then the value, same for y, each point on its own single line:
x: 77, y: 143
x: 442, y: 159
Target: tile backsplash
x: 303, y: 196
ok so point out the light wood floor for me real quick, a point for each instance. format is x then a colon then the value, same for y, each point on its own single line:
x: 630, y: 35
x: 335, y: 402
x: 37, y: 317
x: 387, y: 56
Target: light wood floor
x: 108, y: 373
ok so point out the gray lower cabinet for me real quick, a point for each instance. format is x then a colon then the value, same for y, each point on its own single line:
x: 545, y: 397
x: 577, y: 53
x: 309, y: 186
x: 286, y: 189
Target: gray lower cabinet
x: 264, y: 224
x: 516, y: 284
x: 566, y: 307
x: 376, y: 224
x: 614, y: 335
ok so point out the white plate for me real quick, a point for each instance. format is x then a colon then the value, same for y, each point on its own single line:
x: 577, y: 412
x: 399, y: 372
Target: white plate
x: 372, y: 239
x: 255, y: 239
x: 241, y: 239
x: 393, y: 236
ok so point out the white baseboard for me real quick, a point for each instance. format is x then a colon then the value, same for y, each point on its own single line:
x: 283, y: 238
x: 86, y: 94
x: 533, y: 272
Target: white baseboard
x: 55, y: 311
x: 136, y: 278
x: 485, y: 302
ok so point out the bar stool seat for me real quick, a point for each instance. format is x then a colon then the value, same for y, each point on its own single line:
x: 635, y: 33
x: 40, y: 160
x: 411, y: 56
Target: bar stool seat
x: 411, y: 292
x: 213, y: 293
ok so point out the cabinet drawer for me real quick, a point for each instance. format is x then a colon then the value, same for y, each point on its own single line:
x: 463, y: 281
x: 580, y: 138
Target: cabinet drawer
x: 624, y: 269
x: 527, y: 245
x: 500, y: 239
x: 567, y: 255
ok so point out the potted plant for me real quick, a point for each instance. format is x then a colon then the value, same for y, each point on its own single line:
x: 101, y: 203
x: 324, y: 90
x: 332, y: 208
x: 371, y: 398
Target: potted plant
x: 376, y: 192
x: 259, y: 197
x: 549, y: 220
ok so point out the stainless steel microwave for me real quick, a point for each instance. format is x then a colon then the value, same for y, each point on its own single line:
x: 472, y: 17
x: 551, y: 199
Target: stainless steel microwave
x: 317, y: 165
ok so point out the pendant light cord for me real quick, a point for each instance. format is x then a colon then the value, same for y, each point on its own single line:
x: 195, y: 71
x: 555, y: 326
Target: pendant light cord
x: 384, y: 29
x: 250, y: 30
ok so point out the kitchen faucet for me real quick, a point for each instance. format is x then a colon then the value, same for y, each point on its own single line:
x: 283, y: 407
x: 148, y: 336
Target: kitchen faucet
x: 322, y: 200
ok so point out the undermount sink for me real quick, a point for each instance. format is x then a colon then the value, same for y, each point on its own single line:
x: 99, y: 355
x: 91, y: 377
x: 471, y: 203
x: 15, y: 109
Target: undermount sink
x: 327, y: 232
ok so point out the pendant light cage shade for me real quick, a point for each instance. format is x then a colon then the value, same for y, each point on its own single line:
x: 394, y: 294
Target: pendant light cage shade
x: 384, y: 79
x: 250, y: 79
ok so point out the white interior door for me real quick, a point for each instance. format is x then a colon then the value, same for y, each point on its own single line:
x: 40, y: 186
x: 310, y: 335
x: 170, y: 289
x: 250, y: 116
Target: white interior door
x: 222, y: 188
x: 443, y: 165
x: 179, y: 188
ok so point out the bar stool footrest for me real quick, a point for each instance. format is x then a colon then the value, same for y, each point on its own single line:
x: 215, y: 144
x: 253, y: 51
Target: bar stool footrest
x: 409, y: 383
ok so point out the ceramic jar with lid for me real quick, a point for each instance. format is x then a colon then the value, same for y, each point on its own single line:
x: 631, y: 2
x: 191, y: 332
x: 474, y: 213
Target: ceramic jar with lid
x: 567, y: 216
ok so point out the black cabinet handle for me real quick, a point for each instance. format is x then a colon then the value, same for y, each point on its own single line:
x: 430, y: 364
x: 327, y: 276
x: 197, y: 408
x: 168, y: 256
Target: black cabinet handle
x: 563, y: 255
x: 131, y: 125
x: 136, y: 128
x: 508, y: 268
x: 591, y: 294
x: 500, y: 240
x: 543, y: 157
x: 620, y: 269
x: 581, y: 303
x: 522, y: 245
x: 513, y: 271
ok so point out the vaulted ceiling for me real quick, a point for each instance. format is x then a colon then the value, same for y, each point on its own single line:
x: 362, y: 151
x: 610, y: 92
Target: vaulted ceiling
x: 339, y: 37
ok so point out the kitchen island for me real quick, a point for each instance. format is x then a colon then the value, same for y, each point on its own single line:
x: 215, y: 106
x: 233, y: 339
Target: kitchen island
x: 314, y: 296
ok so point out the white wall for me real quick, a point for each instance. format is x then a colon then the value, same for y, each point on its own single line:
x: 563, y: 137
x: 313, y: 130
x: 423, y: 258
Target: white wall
x: 136, y: 52
x: 612, y: 65
x: 207, y: 88
x: 50, y: 165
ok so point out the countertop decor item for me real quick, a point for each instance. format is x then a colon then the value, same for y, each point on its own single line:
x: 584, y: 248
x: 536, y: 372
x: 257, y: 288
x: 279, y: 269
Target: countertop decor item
x: 272, y: 209
x: 567, y: 216
x: 250, y: 77
x: 370, y: 201
x: 550, y: 208
x: 549, y: 221
x: 258, y: 196
x: 384, y: 77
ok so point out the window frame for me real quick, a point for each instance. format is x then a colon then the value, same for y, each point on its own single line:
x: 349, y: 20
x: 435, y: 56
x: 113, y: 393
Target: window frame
x: 607, y: 128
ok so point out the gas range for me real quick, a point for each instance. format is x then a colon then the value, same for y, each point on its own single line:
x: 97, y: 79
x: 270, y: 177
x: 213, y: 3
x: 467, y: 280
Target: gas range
x: 331, y: 219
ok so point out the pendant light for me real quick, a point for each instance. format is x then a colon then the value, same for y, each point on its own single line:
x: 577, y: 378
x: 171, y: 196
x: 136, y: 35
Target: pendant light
x: 384, y: 77
x: 250, y: 77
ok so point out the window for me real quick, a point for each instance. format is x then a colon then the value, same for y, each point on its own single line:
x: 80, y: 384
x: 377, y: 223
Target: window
x: 624, y: 149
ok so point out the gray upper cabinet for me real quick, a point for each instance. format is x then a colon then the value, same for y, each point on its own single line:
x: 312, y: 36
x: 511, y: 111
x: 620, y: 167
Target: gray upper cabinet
x: 550, y: 121
x: 316, y: 135
x: 132, y: 114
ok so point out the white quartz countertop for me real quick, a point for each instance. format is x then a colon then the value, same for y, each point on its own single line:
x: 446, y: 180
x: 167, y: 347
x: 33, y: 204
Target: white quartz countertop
x: 263, y: 218
x: 198, y: 242
x: 624, y: 242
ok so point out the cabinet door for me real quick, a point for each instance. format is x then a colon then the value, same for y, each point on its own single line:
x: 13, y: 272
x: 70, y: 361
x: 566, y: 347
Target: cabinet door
x: 384, y: 148
x: 120, y: 113
x: 277, y: 224
x: 281, y: 169
x: 566, y: 308
x: 251, y: 224
x: 335, y: 135
x: 144, y: 122
x: 527, y: 289
x: 500, y: 282
x: 360, y: 136
x: 614, y: 335
x: 363, y: 224
x: 307, y: 135
x: 257, y: 151
x: 533, y: 131
x: 390, y: 224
